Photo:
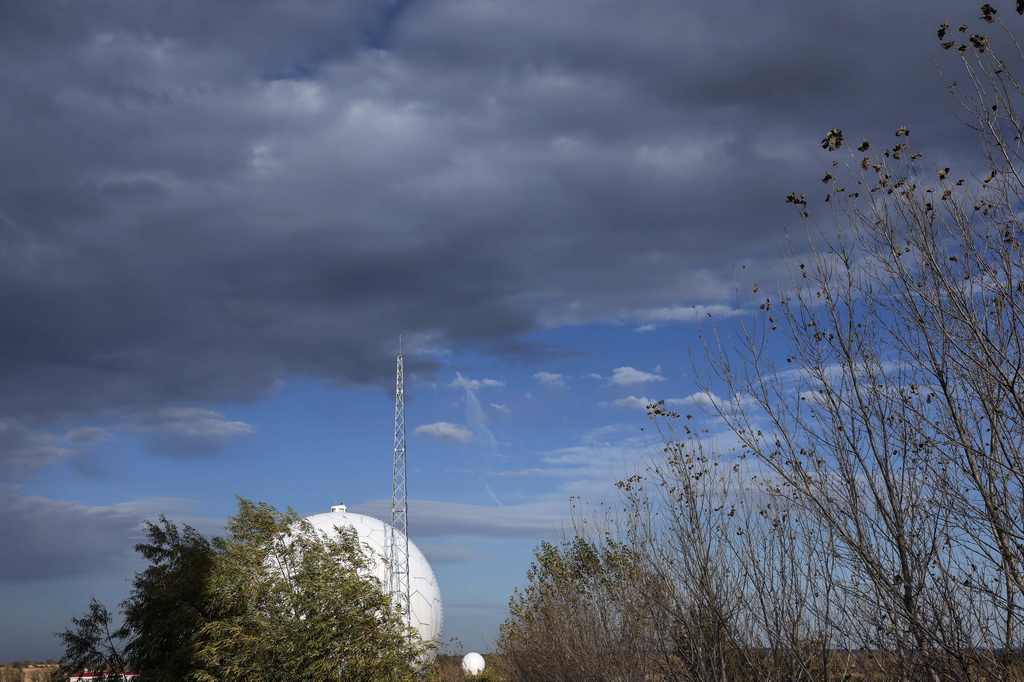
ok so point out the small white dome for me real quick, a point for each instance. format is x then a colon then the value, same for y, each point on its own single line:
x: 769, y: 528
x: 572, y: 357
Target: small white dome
x: 424, y: 594
x: 473, y: 663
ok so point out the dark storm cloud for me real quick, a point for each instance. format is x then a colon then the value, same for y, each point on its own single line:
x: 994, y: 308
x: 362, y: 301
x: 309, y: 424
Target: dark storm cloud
x: 22, y: 449
x: 186, y: 431
x: 54, y: 539
x: 199, y: 198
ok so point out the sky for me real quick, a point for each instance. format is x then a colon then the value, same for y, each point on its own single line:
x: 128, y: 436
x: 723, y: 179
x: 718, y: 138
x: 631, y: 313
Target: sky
x: 217, y: 219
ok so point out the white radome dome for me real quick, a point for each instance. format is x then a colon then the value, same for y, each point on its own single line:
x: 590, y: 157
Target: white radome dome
x: 473, y: 663
x: 424, y: 594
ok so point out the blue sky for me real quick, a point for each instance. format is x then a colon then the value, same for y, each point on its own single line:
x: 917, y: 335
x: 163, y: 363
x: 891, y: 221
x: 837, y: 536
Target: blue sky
x: 217, y: 219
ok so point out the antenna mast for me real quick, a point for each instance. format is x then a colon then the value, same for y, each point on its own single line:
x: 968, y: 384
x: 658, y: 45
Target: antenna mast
x: 398, y: 551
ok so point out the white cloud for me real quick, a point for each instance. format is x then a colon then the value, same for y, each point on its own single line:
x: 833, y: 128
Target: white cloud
x: 475, y: 417
x: 22, y: 449
x: 702, y: 400
x: 475, y: 384
x: 632, y: 401
x: 187, y: 421
x: 522, y: 473
x: 693, y: 313
x: 186, y: 431
x: 711, y: 402
x: 550, y: 379
x: 499, y: 408
x: 453, y: 433
x: 813, y: 396
x: 628, y: 376
x: 86, y: 436
x: 438, y: 519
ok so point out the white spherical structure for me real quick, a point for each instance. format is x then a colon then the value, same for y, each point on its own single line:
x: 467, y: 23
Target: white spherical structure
x: 473, y: 663
x: 424, y: 593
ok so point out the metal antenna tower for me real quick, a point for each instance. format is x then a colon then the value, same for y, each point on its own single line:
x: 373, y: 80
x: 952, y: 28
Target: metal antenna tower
x: 398, y: 550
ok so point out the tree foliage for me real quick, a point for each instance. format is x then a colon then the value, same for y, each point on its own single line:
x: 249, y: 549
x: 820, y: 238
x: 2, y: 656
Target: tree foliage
x: 93, y: 642
x: 575, y: 619
x: 292, y: 604
x: 161, y: 617
x: 168, y: 603
x: 272, y: 600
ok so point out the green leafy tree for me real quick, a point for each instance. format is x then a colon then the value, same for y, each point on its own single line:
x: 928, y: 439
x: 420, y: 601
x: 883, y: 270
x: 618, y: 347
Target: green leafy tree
x: 297, y: 605
x: 168, y: 604
x: 162, y: 616
x: 92, y: 643
x: 272, y: 600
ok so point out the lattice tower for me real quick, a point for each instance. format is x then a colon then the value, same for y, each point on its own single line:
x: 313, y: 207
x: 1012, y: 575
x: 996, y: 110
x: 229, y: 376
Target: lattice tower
x: 398, y: 550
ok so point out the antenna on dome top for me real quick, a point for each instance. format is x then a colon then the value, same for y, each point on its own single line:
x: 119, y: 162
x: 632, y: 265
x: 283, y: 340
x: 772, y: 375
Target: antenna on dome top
x: 398, y: 547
